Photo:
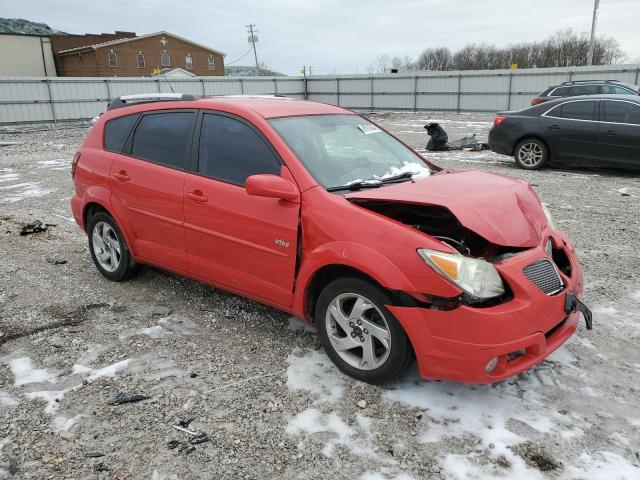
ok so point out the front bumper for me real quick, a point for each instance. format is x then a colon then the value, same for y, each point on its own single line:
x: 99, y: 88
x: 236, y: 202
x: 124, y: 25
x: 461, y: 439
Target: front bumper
x: 458, y: 344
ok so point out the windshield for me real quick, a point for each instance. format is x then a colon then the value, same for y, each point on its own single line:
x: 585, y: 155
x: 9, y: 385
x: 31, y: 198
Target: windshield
x: 344, y: 150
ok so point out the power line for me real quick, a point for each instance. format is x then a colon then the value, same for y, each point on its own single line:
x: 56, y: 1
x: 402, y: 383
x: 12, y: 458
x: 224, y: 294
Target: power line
x: 239, y: 58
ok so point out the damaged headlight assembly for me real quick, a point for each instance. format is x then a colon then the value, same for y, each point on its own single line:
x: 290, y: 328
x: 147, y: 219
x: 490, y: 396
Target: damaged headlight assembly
x: 552, y: 224
x: 476, y: 277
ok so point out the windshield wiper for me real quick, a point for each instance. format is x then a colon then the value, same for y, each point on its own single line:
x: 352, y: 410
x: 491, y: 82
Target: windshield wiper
x: 400, y: 176
x: 356, y: 185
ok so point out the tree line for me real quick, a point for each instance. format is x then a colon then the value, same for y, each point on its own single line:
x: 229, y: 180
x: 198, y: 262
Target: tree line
x: 563, y: 49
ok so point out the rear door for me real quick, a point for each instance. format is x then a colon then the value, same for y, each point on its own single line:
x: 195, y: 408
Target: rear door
x: 147, y: 182
x: 571, y: 130
x: 619, y: 133
x: 244, y: 242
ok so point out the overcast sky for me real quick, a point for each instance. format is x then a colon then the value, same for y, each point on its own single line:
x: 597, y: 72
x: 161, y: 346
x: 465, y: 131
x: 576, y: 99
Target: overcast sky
x: 342, y: 36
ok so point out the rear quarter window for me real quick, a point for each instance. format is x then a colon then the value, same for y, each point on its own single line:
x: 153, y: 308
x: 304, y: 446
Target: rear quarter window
x: 117, y: 131
x: 560, y: 92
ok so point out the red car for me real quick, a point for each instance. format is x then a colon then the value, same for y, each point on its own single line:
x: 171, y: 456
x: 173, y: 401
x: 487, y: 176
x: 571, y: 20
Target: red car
x: 319, y: 212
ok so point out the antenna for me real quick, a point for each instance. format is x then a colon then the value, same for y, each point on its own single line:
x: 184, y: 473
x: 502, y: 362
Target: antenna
x: 253, y: 38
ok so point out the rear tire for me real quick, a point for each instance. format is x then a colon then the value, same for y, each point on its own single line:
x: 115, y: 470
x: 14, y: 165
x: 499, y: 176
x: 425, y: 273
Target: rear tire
x: 531, y: 154
x: 360, y: 335
x: 108, y: 248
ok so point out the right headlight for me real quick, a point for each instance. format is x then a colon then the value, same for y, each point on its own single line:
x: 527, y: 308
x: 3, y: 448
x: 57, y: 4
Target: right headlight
x: 475, y: 276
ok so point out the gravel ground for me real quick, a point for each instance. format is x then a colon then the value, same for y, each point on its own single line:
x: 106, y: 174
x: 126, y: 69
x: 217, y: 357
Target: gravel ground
x: 256, y: 382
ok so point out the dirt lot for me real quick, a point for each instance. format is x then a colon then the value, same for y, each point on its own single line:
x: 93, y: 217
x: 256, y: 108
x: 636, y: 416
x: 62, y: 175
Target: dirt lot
x: 256, y: 382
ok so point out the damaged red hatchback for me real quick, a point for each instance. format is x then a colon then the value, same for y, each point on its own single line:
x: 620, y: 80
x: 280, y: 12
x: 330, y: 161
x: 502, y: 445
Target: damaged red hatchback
x: 317, y: 211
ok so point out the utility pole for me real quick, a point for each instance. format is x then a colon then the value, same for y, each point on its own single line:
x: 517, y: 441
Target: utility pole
x: 310, y: 70
x: 253, y: 39
x: 592, y: 42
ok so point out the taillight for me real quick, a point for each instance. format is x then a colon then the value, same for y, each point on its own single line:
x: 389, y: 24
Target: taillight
x: 499, y: 119
x: 536, y: 101
x: 74, y: 164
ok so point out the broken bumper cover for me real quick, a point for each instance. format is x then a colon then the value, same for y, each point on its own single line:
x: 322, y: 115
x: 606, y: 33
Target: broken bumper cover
x: 458, y: 344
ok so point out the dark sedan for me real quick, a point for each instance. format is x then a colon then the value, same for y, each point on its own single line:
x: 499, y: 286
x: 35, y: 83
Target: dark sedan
x: 594, y: 130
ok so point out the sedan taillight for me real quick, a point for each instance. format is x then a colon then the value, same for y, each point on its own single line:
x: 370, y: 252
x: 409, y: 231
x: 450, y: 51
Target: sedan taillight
x: 536, y: 101
x: 74, y: 164
x: 499, y: 119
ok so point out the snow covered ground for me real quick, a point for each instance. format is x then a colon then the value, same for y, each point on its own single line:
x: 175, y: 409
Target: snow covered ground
x: 256, y: 381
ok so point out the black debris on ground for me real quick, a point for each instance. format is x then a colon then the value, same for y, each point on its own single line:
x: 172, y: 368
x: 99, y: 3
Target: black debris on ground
x: 123, y: 398
x: 35, y: 227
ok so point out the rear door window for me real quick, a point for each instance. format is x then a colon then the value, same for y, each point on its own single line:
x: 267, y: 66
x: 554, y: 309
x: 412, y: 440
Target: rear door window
x: 116, y: 132
x: 231, y: 151
x: 621, y: 112
x: 164, y: 138
x: 584, y: 90
x: 574, y: 111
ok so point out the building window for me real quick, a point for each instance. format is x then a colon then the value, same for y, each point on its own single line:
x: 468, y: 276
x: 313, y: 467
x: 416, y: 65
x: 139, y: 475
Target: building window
x: 212, y: 63
x: 189, y: 61
x: 113, y: 59
x: 165, y: 59
x: 140, y: 60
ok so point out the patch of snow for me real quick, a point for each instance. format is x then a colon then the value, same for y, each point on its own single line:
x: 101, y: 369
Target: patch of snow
x: 64, y: 424
x: 25, y: 373
x: 635, y: 295
x: 8, y: 400
x: 313, y: 371
x: 155, y: 331
x: 312, y: 421
x: 28, y: 190
x: 96, y: 373
x: 52, y: 397
x: 298, y: 325
x: 604, y: 465
x: 7, y: 175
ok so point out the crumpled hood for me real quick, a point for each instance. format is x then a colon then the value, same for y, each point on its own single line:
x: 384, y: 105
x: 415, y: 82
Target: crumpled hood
x: 503, y: 210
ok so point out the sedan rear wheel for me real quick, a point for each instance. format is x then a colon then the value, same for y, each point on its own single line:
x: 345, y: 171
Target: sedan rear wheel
x: 108, y: 248
x: 531, y: 154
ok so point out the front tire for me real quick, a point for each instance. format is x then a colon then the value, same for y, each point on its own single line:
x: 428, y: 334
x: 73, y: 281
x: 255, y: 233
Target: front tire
x: 531, y: 154
x: 108, y: 248
x: 359, y: 334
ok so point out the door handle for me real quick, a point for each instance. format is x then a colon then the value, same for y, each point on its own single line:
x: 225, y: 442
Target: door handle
x: 121, y: 175
x: 197, y: 196
x: 609, y: 132
x: 554, y: 127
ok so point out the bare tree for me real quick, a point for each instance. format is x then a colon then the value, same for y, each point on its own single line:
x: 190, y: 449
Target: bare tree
x: 380, y: 65
x: 564, y: 48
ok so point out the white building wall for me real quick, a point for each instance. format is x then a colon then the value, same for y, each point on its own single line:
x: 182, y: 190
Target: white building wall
x: 26, y: 56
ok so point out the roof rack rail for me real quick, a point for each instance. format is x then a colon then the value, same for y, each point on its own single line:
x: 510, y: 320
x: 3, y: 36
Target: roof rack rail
x: 590, y: 81
x: 126, y: 100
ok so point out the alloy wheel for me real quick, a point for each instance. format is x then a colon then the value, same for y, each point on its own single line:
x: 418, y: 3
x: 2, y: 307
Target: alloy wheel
x: 106, y: 246
x: 530, y: 154
x: 358, y: 331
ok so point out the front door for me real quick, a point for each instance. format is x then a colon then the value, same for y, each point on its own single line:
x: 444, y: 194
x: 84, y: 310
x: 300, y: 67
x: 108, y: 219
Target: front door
x: 572, y: 131
x: 244, y: 242
x: 147, y: 183
x: 619, y: 133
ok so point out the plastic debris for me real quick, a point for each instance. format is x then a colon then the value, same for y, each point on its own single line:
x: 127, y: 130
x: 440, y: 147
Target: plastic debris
x: 122, y: 398
x: 35, y: 227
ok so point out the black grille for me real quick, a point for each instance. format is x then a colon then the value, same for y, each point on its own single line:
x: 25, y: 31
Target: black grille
x: 544, y: 276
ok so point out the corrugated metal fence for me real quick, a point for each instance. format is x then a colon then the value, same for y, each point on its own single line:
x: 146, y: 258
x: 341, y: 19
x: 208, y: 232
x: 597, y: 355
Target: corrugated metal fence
x: 64, y: 99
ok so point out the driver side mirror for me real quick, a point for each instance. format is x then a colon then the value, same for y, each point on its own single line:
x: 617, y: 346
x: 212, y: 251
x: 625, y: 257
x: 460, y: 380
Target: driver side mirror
x: 273, y: 186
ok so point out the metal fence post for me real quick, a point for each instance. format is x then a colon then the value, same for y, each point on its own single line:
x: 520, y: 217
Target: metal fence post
x: 204, y: 91
x: 106, y: 82
x: 158, y: 81
x: 459, y: 91
x: 509, y: 93
x: 570, y: 75
x: 637, y: 75
x: 371, y: 78
x: 338, y: 91
x: 53, y: 107
x: 241, y: 86
x: 415, y: 93
x: 275, y: 86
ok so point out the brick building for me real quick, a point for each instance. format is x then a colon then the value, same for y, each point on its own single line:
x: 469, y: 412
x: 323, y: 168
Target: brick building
x: 123, y: 54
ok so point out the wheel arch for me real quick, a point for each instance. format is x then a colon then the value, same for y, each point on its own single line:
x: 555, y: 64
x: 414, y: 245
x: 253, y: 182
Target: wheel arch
x: 95, y: 205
